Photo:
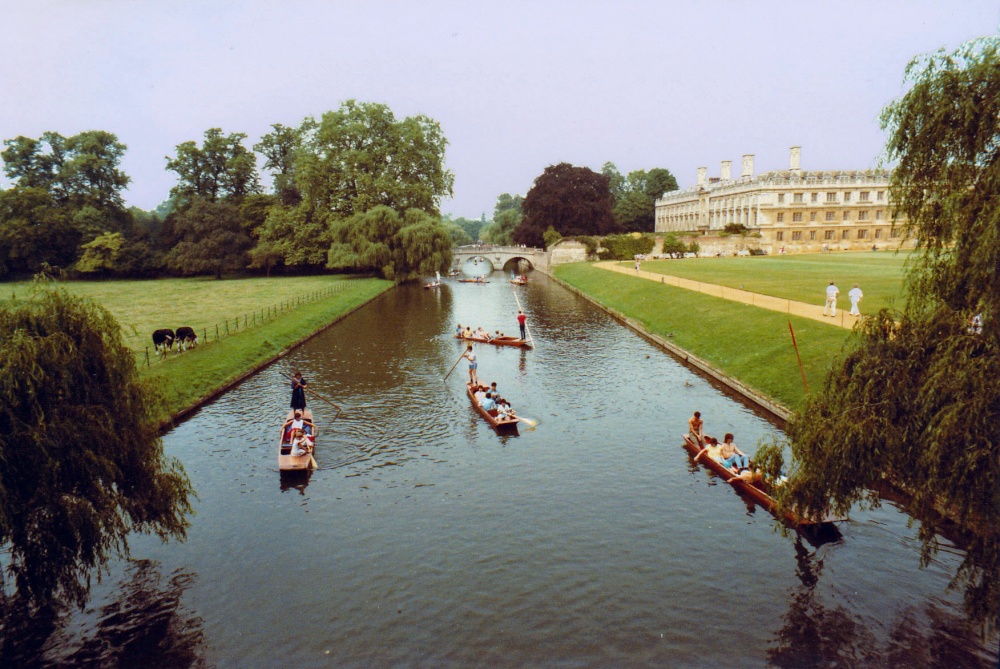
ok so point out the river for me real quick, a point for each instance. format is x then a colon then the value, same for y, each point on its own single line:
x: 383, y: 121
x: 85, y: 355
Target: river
x: 428, y: 540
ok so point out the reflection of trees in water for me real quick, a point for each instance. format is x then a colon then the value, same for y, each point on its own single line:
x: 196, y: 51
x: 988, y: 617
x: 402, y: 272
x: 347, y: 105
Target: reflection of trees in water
x: 814, y: 635
x: 144, y: 626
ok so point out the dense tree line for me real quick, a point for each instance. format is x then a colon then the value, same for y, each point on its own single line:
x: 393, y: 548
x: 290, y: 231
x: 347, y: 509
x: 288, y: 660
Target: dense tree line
x: 65, y: 209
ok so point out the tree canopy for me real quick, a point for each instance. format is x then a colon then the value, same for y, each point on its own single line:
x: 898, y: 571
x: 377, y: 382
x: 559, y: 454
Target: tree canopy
x: 360, y: 157
x: 210, y: 238
x: 916, y: 399
x: 572, y: 200
x: 83, y: 464
x: 635, y: 195
x: 220, y: 168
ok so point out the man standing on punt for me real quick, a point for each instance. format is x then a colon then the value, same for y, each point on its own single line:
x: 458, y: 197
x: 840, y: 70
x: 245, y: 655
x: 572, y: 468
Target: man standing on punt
x: 521, y: 320
x: 298, y: 392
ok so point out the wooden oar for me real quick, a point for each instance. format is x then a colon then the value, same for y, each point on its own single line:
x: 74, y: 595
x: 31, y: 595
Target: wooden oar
x: 529, y: 421
x: 454, y: 366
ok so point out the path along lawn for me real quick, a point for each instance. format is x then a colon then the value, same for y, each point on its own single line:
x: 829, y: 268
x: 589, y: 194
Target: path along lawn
x: 801, y: 277
x: 185, y: 378
x: 747, y: 343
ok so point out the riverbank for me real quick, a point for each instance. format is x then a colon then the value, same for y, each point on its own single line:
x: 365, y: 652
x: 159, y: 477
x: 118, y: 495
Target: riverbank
x: 189, y: 380
x: 753, y: 346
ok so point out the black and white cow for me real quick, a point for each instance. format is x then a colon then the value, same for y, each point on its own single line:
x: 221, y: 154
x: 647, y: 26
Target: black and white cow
x: 186, y: 338
x: 163, y: 341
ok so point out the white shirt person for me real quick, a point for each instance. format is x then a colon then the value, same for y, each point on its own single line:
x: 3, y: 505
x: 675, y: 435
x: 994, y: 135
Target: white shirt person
x: 855, y: 296
x: 831, y: 300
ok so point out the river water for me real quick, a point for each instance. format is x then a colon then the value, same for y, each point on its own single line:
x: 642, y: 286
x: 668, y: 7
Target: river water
x: 428, y: 540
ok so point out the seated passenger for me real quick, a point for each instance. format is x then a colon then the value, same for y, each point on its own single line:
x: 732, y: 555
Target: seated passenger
x: 458, y: 330
x: 733, y: 458
x: 488, y: 403
x: 712, y: 449
x: 480, y: 393
x: 300, y: 443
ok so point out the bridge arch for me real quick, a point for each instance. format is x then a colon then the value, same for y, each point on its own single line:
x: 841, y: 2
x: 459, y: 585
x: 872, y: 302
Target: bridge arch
x: 501, y: 257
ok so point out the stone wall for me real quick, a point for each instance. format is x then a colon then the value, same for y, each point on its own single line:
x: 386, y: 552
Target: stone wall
x: 567, y: 251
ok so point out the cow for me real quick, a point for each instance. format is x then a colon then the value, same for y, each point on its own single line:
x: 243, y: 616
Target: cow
x: 186, y: 338
x: 163, y: 341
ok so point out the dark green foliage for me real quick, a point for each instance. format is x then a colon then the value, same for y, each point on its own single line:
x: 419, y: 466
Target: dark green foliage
x: 591, y: 243
x: 400, y: 247
x: 34, y: 231
x: 551, y: 237
x: 573, y: 200
x: 360, y: 157
x: 625, y: 247
x: 917, y: 398
x: 82, y: 464
x: 210, y: 239
x: 735, y: 229
x: 673, y: 245
x: 507, y: 202
x: 220, y: 169
x: 278, y: 148
x: 635, y: 195
x: 500, y: 230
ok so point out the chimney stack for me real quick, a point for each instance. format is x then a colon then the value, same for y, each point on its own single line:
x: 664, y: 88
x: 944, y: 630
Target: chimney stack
x: 794, y: 158
x: 702, y: 172
x: 724, y: 171
x: 747, y: 165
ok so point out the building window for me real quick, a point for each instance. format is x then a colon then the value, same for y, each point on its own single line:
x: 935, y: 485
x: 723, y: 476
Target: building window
x: 797, y: 217
x: 862, y: 215
x: 878, y: 234
x: 812, y: 235
x: 831, y: 197
x: 828, y: 234
x: 895, y: 232
x: 862, y: 234
x: 814, y: 197
x: 797, y: 236
x: 797, y: 197
x: 863, y: 196
x: 878, y: 214
x: 847, y: 215
x: 812, y: 216
x: 880, y: 196
x: 781, y: 198
x: 830, y: 216
x: 845, y: 234
x: 781, y: 218
x: 847, y: 196
x: 779, y: 236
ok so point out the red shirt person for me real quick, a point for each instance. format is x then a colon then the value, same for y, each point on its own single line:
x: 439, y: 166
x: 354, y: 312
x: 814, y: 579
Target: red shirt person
x: 521, y: 320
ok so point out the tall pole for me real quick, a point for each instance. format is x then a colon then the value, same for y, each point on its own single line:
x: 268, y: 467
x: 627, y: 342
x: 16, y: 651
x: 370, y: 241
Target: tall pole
x: 798, y: 357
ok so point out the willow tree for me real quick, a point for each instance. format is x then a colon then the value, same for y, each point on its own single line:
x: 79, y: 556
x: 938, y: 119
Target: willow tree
x: 81, y: 461
x: 916, y: 402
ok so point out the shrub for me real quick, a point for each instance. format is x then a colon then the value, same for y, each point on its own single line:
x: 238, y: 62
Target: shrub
x: 625, y: 247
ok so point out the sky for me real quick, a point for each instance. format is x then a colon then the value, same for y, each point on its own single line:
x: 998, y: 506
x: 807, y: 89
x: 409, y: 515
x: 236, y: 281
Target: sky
x: 516, y: 86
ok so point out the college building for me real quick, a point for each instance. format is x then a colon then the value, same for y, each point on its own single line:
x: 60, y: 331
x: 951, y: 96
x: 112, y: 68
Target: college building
x: 791, y: 210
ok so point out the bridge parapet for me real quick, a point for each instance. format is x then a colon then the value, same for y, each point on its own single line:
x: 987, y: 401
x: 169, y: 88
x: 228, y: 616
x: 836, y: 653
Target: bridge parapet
x: 499, y: 256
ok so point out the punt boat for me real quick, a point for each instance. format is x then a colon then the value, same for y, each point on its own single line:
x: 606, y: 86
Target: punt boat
x: 286, y: 461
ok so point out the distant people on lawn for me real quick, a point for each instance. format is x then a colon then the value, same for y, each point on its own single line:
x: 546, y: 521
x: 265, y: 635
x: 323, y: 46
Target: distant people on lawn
x: 855, y: 295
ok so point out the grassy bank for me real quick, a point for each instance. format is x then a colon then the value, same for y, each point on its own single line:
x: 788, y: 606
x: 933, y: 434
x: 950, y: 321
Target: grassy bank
x: 747, y: 343
x: 801, y: 277
x: 303, y: 304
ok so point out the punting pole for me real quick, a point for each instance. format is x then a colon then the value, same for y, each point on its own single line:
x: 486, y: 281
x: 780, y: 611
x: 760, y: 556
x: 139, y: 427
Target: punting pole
x: 798, y: 357
x: 520, y: 308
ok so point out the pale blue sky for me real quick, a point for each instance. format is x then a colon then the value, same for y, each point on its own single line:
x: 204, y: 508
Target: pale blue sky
x: 516, y: 86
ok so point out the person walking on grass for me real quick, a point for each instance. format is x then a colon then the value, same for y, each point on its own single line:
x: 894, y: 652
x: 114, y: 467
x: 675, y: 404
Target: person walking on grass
x: 855, y: 296
x: 832, y: 292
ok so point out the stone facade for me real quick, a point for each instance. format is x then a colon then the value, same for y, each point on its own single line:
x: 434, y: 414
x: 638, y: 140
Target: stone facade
x: 566, y: 251
x: 793, y: 210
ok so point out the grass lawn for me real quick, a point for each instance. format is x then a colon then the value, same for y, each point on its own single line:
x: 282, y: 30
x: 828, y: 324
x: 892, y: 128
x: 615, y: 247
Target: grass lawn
x: 747, y: 343
x: 183, y: 379
x: 801, y: 277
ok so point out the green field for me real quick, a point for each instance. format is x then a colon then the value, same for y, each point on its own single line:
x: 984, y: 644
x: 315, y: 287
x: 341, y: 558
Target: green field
x: 802, y: 277
x: 201, y: 303
x: 304, y: 305
x: 747, y: 343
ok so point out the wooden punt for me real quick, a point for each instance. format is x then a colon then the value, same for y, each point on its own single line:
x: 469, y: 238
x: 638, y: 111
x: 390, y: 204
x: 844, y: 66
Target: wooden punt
x: 433, y: 284
x: 499, y: 341
x: 454, y: 272
x: 286, y: 461
x: 497, y: 423
x: 519, y: 282
x: 755, y: 490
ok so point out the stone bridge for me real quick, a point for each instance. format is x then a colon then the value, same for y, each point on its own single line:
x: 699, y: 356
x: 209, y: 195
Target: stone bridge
x: 501, y: 257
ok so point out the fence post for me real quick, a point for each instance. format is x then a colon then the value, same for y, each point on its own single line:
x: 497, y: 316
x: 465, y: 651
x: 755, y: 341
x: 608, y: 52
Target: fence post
x: 147, y: 356
x: 216, y: 332
x: 204, y: 332
x: 227, y: 327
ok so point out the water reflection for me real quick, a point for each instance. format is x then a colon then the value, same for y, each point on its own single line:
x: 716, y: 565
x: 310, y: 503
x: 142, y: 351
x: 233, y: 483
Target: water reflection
x: 143, y: 625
